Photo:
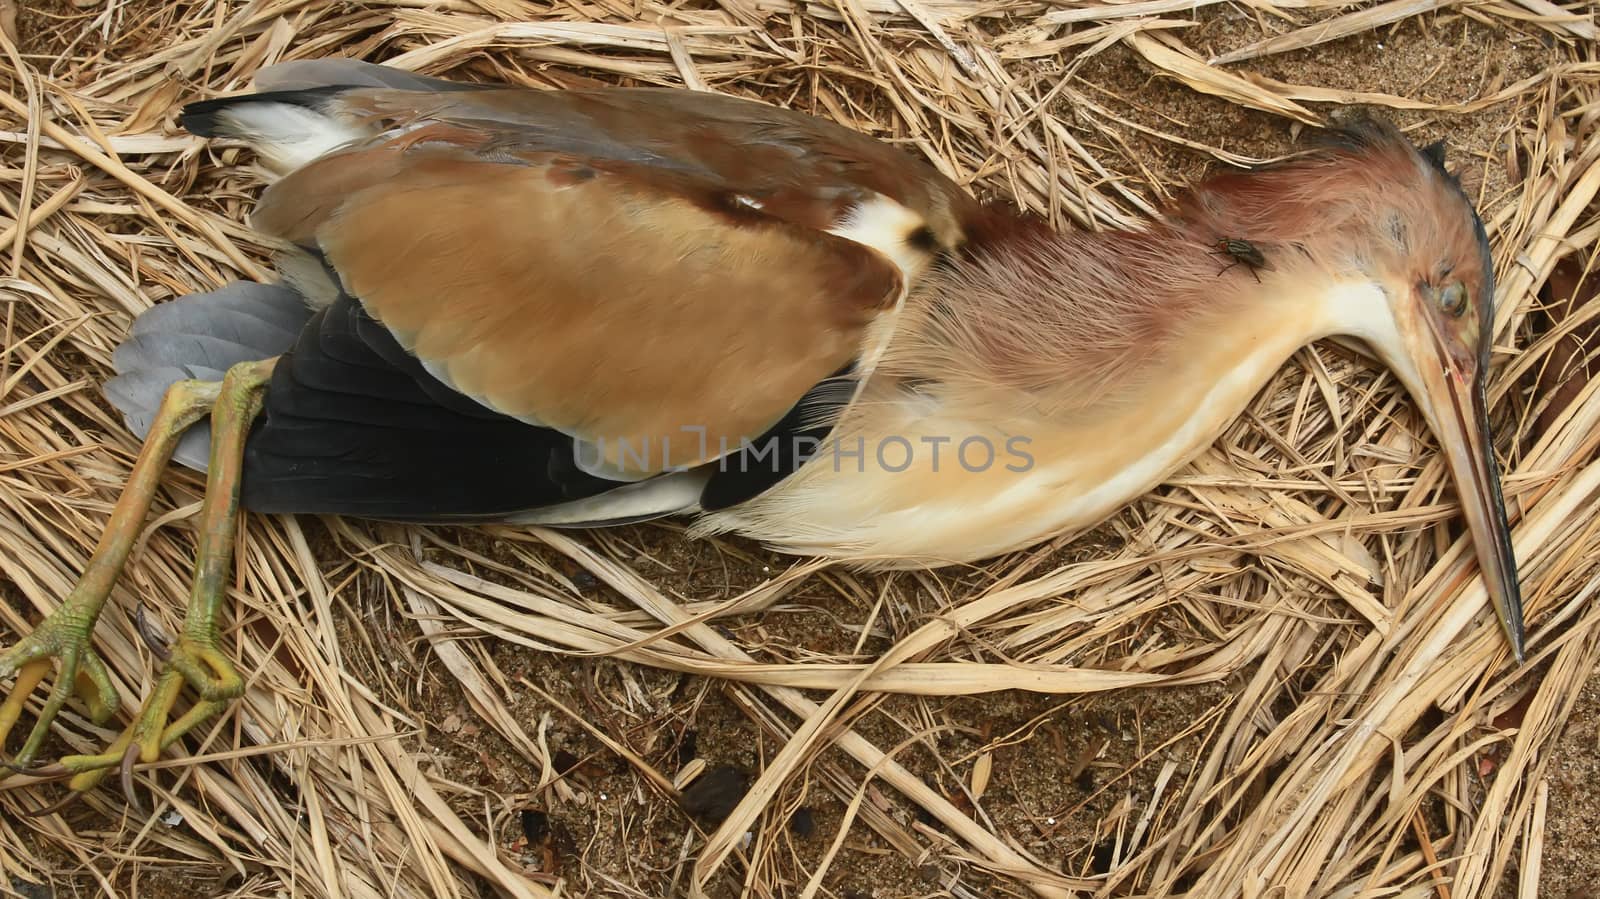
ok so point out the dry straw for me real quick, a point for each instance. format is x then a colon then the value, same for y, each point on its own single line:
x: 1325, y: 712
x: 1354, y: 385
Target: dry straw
x: 1374, y: 742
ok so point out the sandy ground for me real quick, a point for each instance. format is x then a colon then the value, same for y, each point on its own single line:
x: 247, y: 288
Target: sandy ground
x: 1572, y: 834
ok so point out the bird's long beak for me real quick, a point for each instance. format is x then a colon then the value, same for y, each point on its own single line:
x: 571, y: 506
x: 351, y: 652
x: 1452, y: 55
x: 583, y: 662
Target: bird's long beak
x: 1452, y: 391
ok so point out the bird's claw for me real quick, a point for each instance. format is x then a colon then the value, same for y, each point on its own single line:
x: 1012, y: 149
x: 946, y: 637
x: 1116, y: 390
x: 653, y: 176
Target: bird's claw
x: 153, y: 641
x: 53, y: 807
x: 193, y: 660
x: 40, y: 770
x: 64, y: 636
x: 206, y: 669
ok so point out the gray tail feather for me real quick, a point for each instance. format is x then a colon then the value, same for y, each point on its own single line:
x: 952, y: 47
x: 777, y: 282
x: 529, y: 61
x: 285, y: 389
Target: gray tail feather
x: 199, y: 336
x: 310, y: 74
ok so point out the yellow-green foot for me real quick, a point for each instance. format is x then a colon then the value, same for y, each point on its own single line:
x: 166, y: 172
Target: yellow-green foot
x: 194, y: 660
x: 65, y: 634
x: 63, y: 637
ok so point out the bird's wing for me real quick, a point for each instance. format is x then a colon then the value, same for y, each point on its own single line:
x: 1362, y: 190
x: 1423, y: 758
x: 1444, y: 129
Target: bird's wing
x: 656, y: 273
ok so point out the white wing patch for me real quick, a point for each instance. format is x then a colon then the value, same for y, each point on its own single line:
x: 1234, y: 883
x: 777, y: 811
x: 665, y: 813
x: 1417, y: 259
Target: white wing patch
x: 670, y: 494
x: 287, y: 136
x: 886, y: 226
x: 889, y: 228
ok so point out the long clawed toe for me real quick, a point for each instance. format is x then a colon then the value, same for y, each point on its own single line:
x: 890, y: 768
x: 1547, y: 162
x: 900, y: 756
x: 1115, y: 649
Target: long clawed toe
x: 205, y: 670
x: 153, y: 641
x: 193, y: 659
x: 152, y: 730
x: 67, y: 641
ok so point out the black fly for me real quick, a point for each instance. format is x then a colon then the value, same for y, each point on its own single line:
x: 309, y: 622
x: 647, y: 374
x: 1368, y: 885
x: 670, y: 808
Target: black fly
x: 1242, y: 252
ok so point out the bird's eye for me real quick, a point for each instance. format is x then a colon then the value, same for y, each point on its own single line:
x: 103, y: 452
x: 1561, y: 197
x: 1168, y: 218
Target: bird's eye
x: 1453, y: 299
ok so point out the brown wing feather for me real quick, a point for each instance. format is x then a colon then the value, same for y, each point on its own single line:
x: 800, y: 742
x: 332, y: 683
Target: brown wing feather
x: 798, y: 167
x: 618, y: 264
x: 586, y: 301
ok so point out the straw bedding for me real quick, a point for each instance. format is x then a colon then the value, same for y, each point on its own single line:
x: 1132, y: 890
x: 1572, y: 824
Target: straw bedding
x: 1273, y: 677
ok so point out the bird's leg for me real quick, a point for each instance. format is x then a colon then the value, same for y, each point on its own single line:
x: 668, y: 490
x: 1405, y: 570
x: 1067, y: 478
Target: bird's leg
x: 64, y: 635
x: 194, y: 657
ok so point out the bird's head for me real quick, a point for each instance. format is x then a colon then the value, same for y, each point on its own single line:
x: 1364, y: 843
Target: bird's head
x: 1387, y: 232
